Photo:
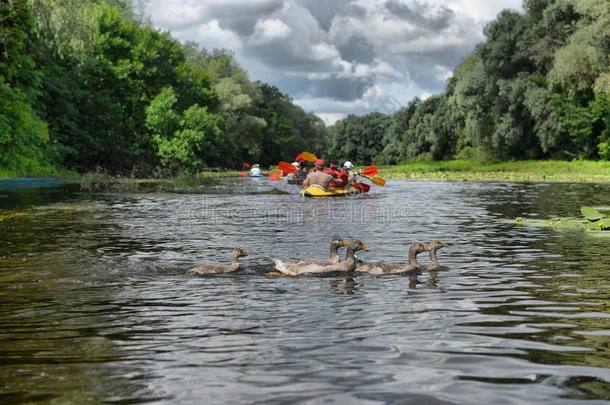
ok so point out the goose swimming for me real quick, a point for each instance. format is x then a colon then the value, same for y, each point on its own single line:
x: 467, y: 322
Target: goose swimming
x: 384, y: 267
x: 434, y: 265
x: 314, y: 267
x: 205, y: 269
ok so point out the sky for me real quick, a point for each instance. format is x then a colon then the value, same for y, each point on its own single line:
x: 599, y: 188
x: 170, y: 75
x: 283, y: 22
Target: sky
x: 337, y: 57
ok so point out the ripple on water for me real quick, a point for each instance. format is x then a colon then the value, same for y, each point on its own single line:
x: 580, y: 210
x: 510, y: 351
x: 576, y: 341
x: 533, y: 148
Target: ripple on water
x: 96, y: 306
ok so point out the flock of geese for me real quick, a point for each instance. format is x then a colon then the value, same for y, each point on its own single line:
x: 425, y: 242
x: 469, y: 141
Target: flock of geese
x: 334, y: 264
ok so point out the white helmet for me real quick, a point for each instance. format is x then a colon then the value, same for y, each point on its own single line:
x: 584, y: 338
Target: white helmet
x: 348, y: 165
x: 295, y: 164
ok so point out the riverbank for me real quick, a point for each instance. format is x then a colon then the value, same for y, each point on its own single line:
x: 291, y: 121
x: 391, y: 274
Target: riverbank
x: 519, y: 171
x: 452, y: 170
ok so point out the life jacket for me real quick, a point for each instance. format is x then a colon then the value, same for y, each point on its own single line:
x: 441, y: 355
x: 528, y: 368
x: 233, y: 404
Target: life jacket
x: 337, y: 174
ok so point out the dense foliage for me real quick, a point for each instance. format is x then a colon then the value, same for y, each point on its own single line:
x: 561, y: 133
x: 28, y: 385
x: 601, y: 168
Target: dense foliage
x: 89, y: 84
x: 537, y: 88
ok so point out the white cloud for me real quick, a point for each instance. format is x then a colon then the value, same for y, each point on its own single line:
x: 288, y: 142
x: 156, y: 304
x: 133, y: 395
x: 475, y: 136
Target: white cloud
x: 323, y: 51
x: 211, y: 34
x: 270, y: 30
x: 425, y: 95
x: 319, y: 76
x: 174, y: 14
x: 330, y: 119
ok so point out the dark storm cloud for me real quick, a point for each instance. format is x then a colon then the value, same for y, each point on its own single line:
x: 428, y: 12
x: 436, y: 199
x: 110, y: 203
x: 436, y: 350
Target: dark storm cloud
x: 289, y: 58
x: 243, y: 19
x: 421, y: 15
x: 342, y: 89
x: 357, y: 49
x: 324, y: 11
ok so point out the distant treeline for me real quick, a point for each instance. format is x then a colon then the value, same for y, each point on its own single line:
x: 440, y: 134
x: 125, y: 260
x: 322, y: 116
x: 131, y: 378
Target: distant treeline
x: 537, y: 88
x: 89, y: 84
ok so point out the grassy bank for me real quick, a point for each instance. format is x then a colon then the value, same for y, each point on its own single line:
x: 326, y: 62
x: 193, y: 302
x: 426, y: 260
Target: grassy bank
x: 528, y: 170
x: 454, y: 170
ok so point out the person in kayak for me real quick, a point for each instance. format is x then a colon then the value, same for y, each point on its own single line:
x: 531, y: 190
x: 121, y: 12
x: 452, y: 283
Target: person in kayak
x: 339, y: 174
x: 256, y: 170
x: 347, y: 167
x: 320, y: 178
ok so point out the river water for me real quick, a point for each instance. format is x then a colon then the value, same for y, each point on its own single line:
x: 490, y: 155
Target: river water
x: 96, y: 306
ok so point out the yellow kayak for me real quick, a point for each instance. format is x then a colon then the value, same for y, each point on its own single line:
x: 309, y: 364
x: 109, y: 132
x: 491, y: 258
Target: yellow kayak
x: 317, y: 191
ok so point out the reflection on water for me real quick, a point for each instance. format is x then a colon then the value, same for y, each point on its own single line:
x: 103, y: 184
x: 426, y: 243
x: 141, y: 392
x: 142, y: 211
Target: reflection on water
x: 96, y: 306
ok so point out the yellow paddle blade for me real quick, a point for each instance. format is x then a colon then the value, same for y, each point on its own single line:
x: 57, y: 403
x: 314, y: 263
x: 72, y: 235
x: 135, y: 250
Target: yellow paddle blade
x: 377, y: 180
x: 310, y: 157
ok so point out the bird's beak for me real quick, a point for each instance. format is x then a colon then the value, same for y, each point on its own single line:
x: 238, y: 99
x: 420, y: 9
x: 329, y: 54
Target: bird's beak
x: 345, y: 243
x: 426, y: 247
x: 365, y: 248
x: 443, y: 244
x: 244, y: 254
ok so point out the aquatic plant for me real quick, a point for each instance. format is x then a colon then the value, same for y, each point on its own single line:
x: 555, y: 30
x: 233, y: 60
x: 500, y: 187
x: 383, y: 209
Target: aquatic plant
x: 593, y: 220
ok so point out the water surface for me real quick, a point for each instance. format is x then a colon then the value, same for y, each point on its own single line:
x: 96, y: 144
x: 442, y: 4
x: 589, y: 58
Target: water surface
x: 96, y: 307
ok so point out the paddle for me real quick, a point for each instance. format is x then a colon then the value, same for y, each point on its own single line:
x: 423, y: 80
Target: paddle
x: 286, y: 167
x: 378, y: 181
x: 375, y: 180
x: 369, y: 171
x: 310, y: 157
x: 244, y: 165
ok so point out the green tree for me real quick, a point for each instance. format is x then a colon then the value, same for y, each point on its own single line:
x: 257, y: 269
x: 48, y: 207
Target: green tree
x: 188, y: 140
x: 22, y: 133
x: 359, y: 139
x: 394, y: 137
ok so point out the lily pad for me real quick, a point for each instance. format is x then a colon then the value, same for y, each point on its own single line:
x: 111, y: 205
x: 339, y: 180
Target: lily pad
x: 591, y: 213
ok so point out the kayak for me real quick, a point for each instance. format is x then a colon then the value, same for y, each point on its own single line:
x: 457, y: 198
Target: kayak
x: 317, y: 191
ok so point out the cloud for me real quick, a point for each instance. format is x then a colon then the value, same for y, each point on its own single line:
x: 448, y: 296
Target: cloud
x: 342, y: 56
x: 267, y: 31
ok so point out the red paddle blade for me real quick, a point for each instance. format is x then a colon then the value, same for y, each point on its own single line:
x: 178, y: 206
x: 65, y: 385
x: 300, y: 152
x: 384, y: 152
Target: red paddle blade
x: 298, y: 158
x: 369, y: 171
x: 246, y: 165
x: 310, y: 157
x: 286, y: 167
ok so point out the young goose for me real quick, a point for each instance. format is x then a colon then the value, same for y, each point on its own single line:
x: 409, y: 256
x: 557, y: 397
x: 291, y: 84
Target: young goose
x: 304, y: 267
x: 333, y: 257
x: 335, y: 244
x: 433, y: 265
x: 219, y: 268
x: 383, y: 267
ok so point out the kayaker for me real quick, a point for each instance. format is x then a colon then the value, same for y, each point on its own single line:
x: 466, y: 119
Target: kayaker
x: 319, y: 177
x: 335, y: 171
x: 348, y: 166
x: 297, y: 176
x: 256, y: 170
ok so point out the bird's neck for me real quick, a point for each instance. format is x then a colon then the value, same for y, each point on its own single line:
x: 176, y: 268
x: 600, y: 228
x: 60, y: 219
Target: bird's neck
x: 334, y: 255
x: 413, y: 257
x: 350, y: 259
x: 433, y: 259
x: 234, y: 263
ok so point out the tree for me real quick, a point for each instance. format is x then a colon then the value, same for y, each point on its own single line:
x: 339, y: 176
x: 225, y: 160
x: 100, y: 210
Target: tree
x: 359, y: 139
x: 187, y: 140
x: 22, y: 132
